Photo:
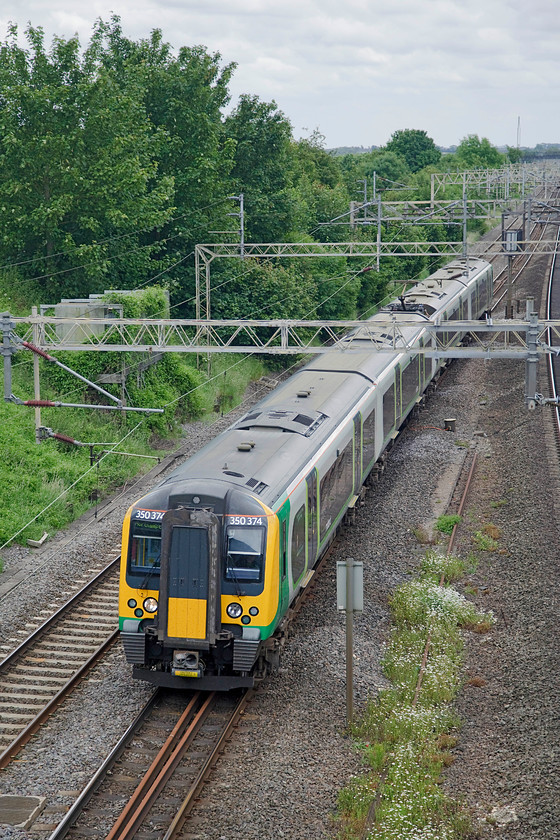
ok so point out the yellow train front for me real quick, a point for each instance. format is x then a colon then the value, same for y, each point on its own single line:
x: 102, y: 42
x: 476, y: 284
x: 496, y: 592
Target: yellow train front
x: 200, y: 592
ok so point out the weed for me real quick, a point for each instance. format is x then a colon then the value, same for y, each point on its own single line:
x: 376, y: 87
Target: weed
x: 446, y: 522
x: 447, y: 742
x: 480, y: 627
x: 499, y: 504
x: 436, y: 565
x: 422, y: 535
x: 472, y: 562
x: 407, y: 744
x: 492, y: 531
x: 484, y: 542
x: 463, y: 444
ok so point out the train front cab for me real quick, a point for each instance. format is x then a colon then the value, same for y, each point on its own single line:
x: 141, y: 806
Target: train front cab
x: 218, y: 599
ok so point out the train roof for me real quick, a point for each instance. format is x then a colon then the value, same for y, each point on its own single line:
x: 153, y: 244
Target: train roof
x: 256, y: 454
x: 443, y: 285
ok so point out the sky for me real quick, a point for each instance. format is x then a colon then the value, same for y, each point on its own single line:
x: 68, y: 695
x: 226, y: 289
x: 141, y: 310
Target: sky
x: 359, y: 70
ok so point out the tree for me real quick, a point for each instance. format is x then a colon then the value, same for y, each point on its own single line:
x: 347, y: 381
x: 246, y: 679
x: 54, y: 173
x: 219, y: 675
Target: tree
x: 320, y: 189
x: 514, y: 154
x: 252, y: 289
x: 415, y: 147
x: 473, y: 153
x: 78, y: 171
x: 261, y: 169
x: 184, y: 94
x: 391, y: 171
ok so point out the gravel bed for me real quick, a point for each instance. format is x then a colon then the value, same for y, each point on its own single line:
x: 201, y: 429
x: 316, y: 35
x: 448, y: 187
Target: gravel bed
x: 281, y: 773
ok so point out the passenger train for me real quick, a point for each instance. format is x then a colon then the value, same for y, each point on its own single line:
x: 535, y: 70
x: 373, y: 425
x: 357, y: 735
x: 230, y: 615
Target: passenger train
x: 214, y: 556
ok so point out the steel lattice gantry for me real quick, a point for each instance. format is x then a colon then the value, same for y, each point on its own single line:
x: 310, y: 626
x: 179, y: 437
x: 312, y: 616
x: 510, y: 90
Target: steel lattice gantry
x: 205, y: 254
x: 499, y: 182
x: 485, y: 339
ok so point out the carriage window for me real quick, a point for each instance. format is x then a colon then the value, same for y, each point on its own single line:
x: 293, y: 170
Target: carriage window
x: 145, y: 547
x: 244, y: 559
x: 388, y: 410
x: 410, y: 382
x: 298, y: 544
x: 369, y: 439
x: 336, y: 485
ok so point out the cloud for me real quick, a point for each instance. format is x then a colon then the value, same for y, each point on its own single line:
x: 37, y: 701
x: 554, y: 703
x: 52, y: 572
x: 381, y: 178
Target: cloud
x: 359, y: 70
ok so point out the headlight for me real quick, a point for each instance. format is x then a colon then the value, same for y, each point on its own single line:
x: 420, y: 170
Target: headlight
x: 150, y: 605
x: 234, y: 610
x: 132, y: 603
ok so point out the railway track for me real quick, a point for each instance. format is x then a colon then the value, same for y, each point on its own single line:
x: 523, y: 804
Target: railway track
x: 148, y: 784
x: 520, y: 262
x: 553, y: 312
x: 36, y: 677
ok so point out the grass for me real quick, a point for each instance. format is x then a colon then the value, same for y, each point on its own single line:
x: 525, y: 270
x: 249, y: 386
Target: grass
x: 405, y: 741
x: 44, y: 487
x: 499, y: 504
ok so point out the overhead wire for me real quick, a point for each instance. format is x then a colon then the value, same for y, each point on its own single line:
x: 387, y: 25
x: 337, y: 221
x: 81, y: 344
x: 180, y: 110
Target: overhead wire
x: 114, y: 449
x: 110, y: 239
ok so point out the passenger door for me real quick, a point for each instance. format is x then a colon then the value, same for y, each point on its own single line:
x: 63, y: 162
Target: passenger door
x: 190, y: 580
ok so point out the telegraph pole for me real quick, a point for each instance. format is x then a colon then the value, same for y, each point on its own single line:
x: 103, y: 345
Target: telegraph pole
x: 36, y: 380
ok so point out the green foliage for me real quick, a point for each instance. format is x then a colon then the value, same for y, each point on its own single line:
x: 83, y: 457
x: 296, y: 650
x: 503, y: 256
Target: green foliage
x: 404, y: 734
x: 391, y: 171
x: 484, y: 541
x: 321, y: 192
x: 514, y: 154
x: 446, y: 522
x: 261, y: 134
x: 434, y: 565
x: 35, y: 478
x: 142, y: 303
x: 472, y: 153
x: 78, y: 164
x: 252, y: 289
x: 183, y: 93
x: 32, y: 476
x: 417, y: 149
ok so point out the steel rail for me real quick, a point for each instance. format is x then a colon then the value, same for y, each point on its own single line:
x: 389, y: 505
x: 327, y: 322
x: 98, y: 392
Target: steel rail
x: 80, y: 803
x: 49, y: 622
x: 552, y: 362
x: 523, y: 259
x: 23, y: 737
x: 37, y: 637
x: 189, y: 801
x: 161, y: 769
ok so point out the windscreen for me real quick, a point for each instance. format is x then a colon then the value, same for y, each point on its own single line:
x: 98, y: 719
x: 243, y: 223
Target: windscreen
x: 145, y: 548
x: 244, y: 554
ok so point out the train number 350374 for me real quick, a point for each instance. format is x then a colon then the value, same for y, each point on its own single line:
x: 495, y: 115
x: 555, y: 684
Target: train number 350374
x: 245, y: 520
x: 152, y: 515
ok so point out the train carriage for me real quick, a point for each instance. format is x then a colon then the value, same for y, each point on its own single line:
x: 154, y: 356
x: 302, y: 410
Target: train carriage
x: 213, y: 557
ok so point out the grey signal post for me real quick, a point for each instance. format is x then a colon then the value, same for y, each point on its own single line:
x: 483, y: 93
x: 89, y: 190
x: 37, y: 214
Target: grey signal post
x: 350, y: 599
